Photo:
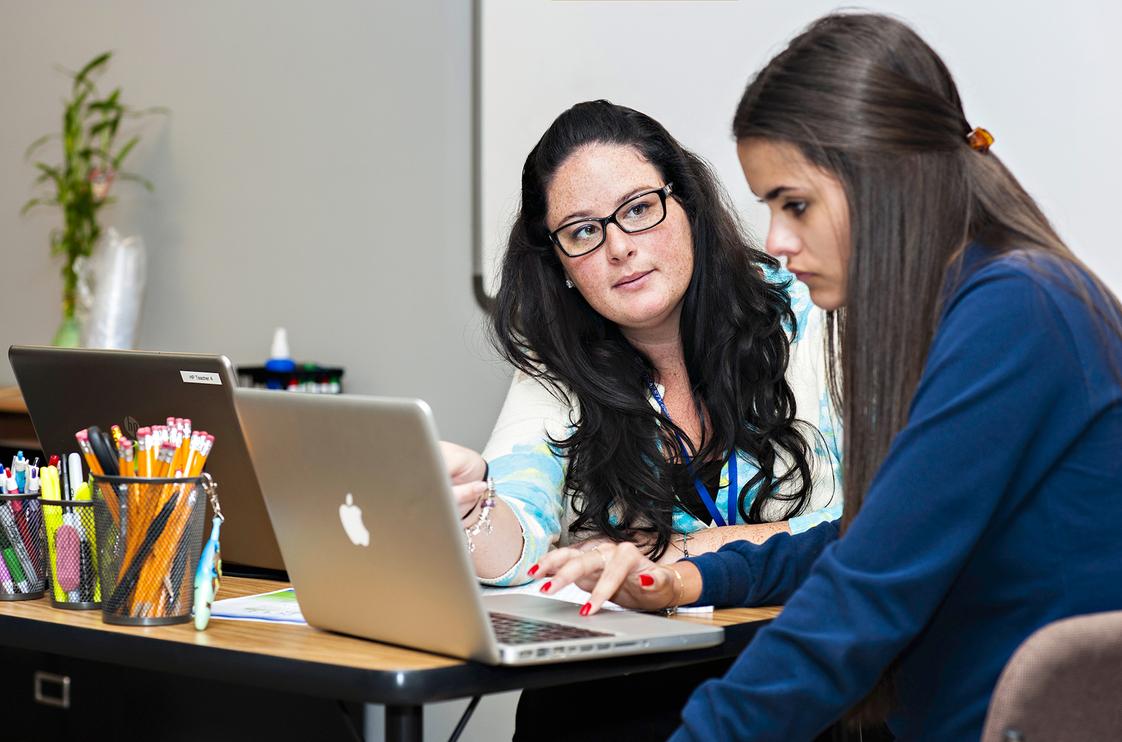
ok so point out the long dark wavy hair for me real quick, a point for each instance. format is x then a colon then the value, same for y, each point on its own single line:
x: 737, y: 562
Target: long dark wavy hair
x: 624, y: 466
x: 867, y: 100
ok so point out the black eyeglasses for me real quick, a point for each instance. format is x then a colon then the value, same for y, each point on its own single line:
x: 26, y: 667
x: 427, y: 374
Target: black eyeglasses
x: 637, y: 214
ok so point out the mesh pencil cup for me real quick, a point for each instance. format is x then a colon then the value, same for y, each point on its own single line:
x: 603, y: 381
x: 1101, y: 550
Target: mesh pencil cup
x: 72, y: 554
x: 149, y: 532
x: 22, y: 567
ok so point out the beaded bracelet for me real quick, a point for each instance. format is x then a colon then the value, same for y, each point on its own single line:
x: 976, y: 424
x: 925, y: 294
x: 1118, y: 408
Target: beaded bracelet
x: 484, y: 522
x: 486, y: 476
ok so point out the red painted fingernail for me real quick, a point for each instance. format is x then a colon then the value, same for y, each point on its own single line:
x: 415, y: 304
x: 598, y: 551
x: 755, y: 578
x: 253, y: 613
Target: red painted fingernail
x: 584, y: 609
x: 545, y: 587
x: 646, y: 580
x: 533, y: 570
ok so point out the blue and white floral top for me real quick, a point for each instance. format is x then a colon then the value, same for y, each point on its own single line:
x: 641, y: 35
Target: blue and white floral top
x: 529, y: 473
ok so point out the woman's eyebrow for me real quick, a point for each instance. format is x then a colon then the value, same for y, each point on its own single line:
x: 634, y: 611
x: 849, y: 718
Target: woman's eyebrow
x: 774, y: 193
x: 584, y: 214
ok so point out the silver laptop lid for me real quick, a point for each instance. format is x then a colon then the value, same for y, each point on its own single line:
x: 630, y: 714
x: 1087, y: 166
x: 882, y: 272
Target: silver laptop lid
x: 361, y: 505
x: 70, y: 389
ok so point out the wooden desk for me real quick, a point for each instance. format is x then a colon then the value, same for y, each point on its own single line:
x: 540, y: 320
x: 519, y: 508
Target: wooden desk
x: 16, y: 430
x: 303, y: 660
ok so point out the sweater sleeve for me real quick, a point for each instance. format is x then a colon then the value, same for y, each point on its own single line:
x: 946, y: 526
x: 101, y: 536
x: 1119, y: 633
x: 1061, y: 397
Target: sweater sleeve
x: 987, y: 392
x: 746, y: 574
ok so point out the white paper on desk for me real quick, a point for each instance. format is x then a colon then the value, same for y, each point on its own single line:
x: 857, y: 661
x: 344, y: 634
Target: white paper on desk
x: 573, y: 594
x: 278, y: 606
x: 570, y: 594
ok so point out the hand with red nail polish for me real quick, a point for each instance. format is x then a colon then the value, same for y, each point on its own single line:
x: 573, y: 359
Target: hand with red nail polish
x: 617, y: 572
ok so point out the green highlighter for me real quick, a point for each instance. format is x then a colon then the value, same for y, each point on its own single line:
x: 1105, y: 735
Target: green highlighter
x: 14, y: 569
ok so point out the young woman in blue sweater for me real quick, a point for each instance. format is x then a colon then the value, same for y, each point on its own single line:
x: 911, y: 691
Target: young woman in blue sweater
x: 977, y: 364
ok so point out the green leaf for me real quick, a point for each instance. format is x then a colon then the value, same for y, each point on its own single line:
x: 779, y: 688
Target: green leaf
x: 110, y: 104
x: 92, y: 65
x: 32, y: 203
x: 134, y: 178
x: 101, y: 126
x: 37, y: 144
x: 89, y: 154
x: 50, y: 172
x: 123, y: 152
x: 103, y: 106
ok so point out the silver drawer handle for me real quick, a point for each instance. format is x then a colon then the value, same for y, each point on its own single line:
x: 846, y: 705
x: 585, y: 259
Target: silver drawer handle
x: 52, y: 690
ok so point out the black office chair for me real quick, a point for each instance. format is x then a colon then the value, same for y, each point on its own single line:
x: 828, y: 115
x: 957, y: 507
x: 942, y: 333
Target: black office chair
x: 1062, y: 683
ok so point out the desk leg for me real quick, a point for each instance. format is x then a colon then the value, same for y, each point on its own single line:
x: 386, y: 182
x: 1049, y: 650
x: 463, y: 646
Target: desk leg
x: 404, y: 723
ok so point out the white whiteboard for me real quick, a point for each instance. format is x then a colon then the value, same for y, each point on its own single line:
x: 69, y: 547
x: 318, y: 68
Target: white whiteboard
x: 1044, y: 77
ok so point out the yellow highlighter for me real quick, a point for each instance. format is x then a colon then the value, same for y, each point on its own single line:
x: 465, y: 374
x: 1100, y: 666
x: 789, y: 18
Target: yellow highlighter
x: 52, y: 518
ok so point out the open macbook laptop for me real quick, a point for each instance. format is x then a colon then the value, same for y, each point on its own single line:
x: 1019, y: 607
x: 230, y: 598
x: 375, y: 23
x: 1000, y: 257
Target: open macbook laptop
x: 363, y: 510
x: 70, y: 389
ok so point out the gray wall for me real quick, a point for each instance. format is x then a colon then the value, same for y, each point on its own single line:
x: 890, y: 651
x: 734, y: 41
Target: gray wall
x: 314, y: 173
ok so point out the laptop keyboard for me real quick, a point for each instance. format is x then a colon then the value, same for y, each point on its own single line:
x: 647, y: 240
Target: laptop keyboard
x: 518, y: 630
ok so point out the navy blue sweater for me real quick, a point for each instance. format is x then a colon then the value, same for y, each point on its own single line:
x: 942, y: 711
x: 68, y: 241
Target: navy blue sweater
x: 996, y: 511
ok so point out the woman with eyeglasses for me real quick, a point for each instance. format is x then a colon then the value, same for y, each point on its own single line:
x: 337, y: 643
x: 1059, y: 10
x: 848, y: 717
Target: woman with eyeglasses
x: 980, y: 367
x: 670, y: 389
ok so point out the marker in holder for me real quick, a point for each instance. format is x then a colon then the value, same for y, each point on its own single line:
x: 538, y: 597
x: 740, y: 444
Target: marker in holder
x: 72, y: 554
x: 23, y: 575
x: 149, y: 532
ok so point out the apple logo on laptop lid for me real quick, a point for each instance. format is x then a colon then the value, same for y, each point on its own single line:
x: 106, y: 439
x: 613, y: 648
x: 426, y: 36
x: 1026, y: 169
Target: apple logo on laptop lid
x: 351, y: 517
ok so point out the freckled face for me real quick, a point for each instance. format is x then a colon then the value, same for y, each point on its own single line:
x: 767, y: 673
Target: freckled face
x: 635, y: 280
x: 809, y: 216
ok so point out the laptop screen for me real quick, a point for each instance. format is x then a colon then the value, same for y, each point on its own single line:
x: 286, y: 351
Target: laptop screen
x: 67, y: 390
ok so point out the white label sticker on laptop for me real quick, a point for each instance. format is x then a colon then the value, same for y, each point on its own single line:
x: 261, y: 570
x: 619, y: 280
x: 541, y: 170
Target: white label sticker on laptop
x: 200, y: 377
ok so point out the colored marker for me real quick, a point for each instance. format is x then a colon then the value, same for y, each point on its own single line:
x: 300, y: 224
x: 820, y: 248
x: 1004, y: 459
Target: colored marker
x: 74, y: 469
x: 19, y: 465
x: 5, y: 578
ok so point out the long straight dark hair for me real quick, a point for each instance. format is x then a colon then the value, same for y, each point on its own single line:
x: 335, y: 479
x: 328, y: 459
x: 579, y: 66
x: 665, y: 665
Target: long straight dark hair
x: 624, y: 469
x: 867, y: 100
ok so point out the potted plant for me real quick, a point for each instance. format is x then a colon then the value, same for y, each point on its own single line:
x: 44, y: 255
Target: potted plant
x: 79, y: 185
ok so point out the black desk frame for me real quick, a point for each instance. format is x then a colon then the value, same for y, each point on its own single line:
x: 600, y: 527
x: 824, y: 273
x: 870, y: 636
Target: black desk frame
x: 403, y: 693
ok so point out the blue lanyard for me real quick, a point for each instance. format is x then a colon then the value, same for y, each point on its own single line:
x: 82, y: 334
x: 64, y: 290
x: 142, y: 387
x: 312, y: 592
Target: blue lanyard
x: 702, y: 492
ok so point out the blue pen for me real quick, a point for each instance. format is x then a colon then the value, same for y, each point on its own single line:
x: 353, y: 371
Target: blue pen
x: 19, y: 466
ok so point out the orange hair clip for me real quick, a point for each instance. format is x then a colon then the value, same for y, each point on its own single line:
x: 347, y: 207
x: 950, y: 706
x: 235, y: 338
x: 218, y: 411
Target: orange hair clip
x: 979, y: 140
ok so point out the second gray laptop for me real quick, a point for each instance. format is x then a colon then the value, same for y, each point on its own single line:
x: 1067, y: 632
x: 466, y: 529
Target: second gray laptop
x: 67, y: 389
x: 363, y: 511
